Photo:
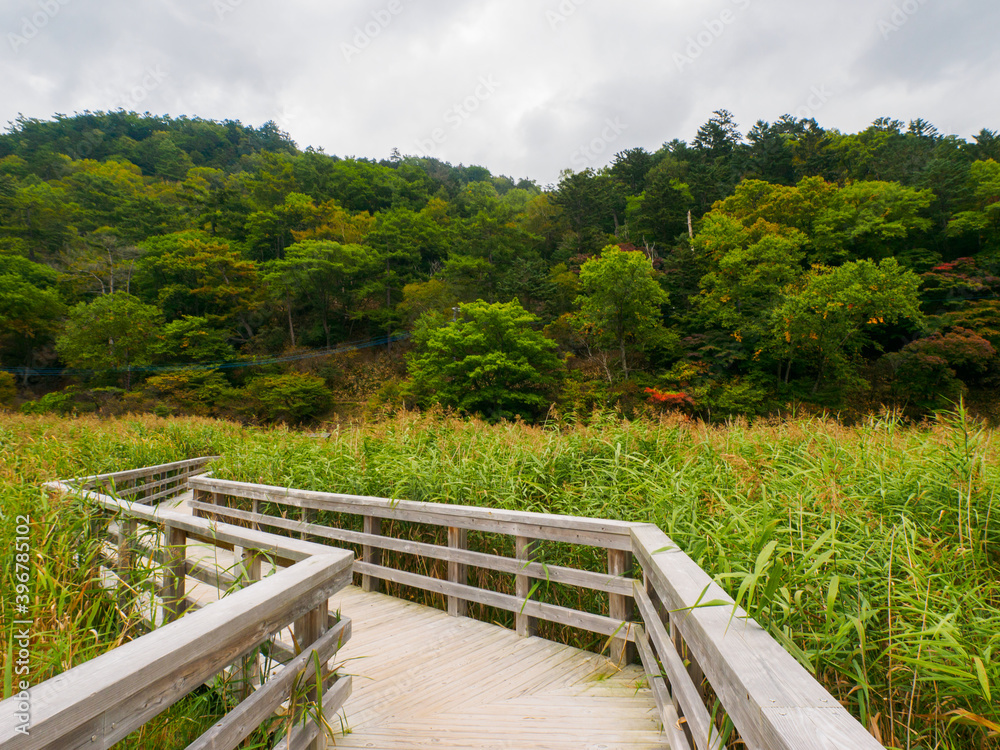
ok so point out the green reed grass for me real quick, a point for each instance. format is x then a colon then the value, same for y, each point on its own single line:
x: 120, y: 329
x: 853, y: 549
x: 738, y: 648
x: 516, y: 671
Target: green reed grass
x: 871, y: 553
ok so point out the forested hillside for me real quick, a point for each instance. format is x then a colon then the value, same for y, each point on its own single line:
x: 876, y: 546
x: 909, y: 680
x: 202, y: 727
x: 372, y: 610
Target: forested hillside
x: 190, y: 265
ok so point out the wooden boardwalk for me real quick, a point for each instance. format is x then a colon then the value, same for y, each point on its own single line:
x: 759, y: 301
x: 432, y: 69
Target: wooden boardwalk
x: 454, y: 682
x: 424, y: 679
x: 232, y: 568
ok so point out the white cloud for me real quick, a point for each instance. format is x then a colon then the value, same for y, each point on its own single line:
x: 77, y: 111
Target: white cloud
x: 564, y: 68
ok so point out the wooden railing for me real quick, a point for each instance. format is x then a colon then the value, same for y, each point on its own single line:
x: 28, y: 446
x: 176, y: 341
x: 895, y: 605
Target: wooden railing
x: 703, y: 663
x: 214, y: 498
x: 151, y: 485
x: 695, y: 638
x: 99, y: 703
x: 704, y: 658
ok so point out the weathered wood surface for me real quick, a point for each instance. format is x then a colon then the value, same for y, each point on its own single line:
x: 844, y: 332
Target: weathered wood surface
x: 684, y: 691
x: 587, y: 531
x: 672, y: 726
x: 526, y: 609
x: 189, y: 466
x: 772, y: 700
x: 251, y: 713
x: 99, y: 703
x: 583, y: 578
x: 424, y: 679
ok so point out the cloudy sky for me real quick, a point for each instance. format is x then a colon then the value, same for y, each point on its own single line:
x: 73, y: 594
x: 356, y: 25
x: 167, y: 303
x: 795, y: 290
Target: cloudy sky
x: 524, y: 87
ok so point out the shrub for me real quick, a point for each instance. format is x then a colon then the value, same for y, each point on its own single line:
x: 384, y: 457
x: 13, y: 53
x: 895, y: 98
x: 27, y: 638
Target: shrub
x: 293, y: 397
x: 200, y: 392
x: 8, y: 389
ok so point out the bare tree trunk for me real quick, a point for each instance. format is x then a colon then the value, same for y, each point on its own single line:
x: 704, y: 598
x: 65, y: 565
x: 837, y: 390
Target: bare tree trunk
x: 291, y: 326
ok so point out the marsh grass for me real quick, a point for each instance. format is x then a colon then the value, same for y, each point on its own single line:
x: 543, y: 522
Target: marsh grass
x: 872, y: 553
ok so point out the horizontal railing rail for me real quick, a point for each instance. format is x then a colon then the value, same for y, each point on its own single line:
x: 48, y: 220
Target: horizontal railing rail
x: 708, y: 664
x: 152, y: 484
x: 686, y: 646
x: 97, y: 704
x: 214, y: 497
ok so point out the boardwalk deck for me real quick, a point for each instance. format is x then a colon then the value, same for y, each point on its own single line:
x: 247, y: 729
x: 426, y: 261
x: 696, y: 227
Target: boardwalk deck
x: 454, y: 682
x: 425, y: 679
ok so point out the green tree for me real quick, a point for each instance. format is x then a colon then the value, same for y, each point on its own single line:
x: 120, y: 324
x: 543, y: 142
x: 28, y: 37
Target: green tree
x: 30, y: 308
x: 828, y: 320
x: 317, y: 275
x: 114, y: 332
x: 982, y: 223
x: 294, y: 397
x: 191, y: 273
x: 490, y: 361
x: 191, y: 339
x: 620, y: 302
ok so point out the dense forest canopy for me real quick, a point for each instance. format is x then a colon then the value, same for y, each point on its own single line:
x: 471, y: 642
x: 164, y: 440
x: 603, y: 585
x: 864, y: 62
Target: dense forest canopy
x: 735, y: 274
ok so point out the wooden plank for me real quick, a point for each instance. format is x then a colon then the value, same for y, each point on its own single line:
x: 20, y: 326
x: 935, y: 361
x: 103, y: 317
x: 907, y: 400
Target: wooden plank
x: 551, y: 573
x: 128, y: 531
x: 307, y: 630
x: 164, y: 495
x: 371, y: 554
x: 551, y: 612
x: 703, y: 731
x: 192, y: 463
x: 113, y: 694
x: 457, y: 572
x: 619, y: 606
x: 239, y: 723
x: 180, y: 480
x: 174, y: 571
x: 586, y: 531
x: 307, y: 735
x: 526, y: 550
x: 671, y: 723
x: 754, y: 677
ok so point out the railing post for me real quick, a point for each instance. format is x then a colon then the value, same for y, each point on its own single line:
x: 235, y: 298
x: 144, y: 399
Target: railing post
x: 457, y: 572
x: 246, y: 673
x: 128, y: 530
x: 205, y: 496
x: 307, y: 516
x: 371, y: 555
x: 308, y: 629
x: 174, y: 571
x: 620, y: 606
x: 525, y: 549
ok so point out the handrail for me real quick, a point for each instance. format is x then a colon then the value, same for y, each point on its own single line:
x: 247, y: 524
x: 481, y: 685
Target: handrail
x: 688, y: 648
x: 97, y: 704
x: 212, y: 497
x: 167, y: 480
x: 594, y: 532
x: 773, y: 702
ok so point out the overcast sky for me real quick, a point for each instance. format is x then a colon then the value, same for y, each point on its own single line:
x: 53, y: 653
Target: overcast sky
x: 524, y: 87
